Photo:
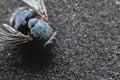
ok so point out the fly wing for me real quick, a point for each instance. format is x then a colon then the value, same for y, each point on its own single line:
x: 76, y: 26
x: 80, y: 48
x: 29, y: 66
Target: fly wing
x: 43, y: 7
x: 37, y: 5
x: 8, y: 36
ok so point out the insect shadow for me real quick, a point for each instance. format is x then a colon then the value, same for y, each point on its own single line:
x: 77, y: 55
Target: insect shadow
x: 35, y: 57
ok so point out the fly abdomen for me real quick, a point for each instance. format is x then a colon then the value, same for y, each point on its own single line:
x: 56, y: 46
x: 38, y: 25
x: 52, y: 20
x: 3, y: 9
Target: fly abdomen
x: 20, y: 18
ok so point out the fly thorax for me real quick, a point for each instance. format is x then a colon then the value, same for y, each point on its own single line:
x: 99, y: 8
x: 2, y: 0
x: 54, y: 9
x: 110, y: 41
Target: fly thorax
x: 41, y: 30
x: 32, y: 22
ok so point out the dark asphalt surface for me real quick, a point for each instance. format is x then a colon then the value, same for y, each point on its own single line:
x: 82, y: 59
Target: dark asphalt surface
x: 88, y: 45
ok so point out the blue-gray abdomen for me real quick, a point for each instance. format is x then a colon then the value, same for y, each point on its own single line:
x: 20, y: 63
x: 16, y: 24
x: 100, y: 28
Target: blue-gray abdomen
x: 20, y: 19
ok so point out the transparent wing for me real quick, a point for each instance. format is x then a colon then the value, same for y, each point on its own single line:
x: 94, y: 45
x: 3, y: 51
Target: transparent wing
x: 8, y: 36
x: 37, y: 5
x: 43, y: 7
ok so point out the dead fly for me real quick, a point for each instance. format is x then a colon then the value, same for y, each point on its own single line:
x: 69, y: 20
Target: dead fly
x: 24, y: 27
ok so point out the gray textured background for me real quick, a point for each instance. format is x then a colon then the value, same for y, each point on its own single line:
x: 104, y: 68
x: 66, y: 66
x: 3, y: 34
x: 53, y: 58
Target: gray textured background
x: 88, y: 43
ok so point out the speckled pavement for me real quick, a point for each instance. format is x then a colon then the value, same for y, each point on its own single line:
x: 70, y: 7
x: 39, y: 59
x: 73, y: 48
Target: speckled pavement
x: 88, y: 45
